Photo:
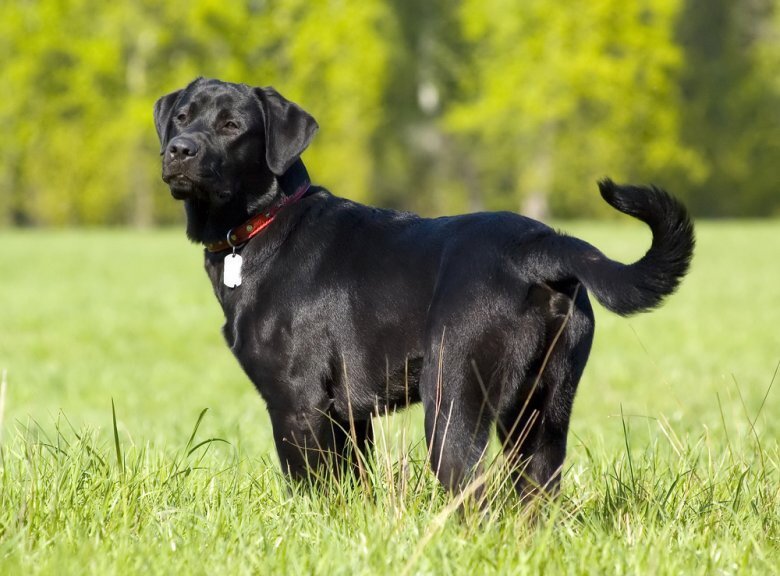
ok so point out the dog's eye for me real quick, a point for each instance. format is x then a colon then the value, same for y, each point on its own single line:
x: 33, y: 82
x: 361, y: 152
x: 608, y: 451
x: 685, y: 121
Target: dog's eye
x: 230, y: 125
x: 181, y: 117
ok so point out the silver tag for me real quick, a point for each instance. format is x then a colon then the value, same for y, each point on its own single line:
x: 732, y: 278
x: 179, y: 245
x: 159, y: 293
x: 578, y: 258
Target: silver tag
x: 231, y: 275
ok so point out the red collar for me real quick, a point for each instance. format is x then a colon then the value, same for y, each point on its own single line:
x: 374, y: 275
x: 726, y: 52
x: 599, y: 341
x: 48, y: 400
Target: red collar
x: 256, y: 224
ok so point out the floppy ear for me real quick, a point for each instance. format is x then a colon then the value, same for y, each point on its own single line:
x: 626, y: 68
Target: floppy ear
x: 162, y: 115
x: 288, y: 129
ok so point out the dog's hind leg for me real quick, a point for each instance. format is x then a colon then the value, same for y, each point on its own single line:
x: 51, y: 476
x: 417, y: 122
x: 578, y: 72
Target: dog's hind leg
x: 533, y: 423
x: 460, y: 406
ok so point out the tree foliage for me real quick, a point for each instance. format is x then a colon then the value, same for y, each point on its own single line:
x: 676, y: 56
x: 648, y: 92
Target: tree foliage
x: 731, y: 108
x: 435, y: 106
x: 562, y: 93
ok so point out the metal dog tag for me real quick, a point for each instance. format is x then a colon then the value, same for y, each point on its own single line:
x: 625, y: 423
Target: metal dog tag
x: 231, y: 276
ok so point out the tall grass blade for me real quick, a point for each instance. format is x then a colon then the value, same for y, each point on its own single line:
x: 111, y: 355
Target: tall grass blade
x: 195, y: 431
x: 119, y: 460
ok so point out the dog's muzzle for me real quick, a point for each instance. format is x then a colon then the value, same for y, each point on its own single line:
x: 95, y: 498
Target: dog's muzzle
x: 179, y: 164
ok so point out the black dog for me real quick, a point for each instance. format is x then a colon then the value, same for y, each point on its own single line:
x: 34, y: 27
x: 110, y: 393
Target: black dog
x: 339, y: 311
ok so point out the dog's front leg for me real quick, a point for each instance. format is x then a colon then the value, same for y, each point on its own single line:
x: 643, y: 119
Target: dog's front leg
x: 313, y: 444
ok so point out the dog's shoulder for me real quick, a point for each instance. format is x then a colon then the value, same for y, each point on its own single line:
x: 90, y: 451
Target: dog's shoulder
x: 348, y: 215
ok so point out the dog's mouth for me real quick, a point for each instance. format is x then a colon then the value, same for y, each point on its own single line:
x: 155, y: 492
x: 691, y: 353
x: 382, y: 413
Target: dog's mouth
x: 184, y: 187
x: 181, y: 186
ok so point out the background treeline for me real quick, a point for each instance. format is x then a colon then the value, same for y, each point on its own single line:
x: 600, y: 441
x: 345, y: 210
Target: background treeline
x: 435, y: 106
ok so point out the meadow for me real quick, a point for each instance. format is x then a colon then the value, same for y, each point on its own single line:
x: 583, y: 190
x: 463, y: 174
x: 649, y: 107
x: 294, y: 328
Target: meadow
x: 109, y: 465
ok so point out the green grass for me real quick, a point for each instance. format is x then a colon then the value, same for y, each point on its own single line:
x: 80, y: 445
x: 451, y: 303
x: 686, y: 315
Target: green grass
x: 673, y: 451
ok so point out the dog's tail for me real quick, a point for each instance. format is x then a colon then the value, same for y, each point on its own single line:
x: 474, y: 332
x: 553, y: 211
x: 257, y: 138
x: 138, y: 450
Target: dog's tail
x: 625, y: 288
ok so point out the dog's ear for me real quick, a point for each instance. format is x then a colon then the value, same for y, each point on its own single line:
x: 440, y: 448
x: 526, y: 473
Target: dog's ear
x: 162, y: 116
x: 288, y: 129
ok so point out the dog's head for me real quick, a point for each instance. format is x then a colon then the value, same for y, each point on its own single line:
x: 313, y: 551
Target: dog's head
x: 219, y: 139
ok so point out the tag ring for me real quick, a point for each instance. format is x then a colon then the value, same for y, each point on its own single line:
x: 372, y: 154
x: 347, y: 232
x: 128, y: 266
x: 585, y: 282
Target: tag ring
x: 227, y: 239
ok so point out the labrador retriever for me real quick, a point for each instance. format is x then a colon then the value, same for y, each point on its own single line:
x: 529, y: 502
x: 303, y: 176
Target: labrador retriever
x: 338, y: 311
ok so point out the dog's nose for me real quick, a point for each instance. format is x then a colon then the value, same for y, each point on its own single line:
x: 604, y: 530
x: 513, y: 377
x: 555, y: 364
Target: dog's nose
x: 182, y: 148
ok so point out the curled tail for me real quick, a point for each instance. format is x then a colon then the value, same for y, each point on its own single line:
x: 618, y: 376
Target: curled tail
x: 627, y: 288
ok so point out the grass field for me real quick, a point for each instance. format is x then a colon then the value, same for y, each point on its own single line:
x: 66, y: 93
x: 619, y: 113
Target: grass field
x: 673, y: 449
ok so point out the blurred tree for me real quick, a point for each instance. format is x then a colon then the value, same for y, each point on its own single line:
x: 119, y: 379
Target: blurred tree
x: 420, y: 166
x: 436, y: 106
x: 331, y: 57
x: 561, y: 94
x: 79, y: 145
x: 731, y: 104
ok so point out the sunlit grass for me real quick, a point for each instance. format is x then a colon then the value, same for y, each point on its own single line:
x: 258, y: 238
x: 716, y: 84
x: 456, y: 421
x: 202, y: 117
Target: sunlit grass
x: 673, y: 453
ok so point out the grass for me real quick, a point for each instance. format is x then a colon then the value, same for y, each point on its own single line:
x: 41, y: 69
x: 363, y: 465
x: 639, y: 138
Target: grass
x: 109, y: 465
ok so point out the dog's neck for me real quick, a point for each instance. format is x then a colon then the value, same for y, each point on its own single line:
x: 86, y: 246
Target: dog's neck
x: 207, y: 223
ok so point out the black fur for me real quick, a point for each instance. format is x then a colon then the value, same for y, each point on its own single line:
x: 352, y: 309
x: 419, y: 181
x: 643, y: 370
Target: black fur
x: 347, y: 310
